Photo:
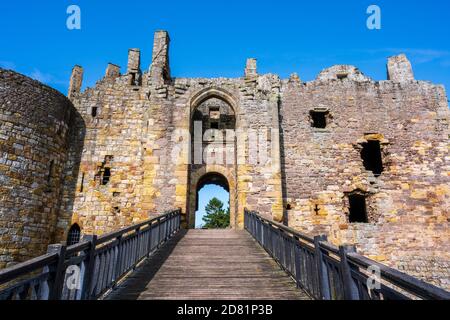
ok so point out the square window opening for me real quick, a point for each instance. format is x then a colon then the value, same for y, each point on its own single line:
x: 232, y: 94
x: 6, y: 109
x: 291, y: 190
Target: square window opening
x: 319, y: 119
x: 372, y: 158
x: 358, y: 209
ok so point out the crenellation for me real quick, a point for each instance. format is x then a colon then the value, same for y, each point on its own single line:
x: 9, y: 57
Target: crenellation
x: 251, y: 69
x: 399, y: 69
x: 112, y: 71
x: 302, y: 153
x: 134, y: 61
x: 160, y: 69
x: 76, y: 81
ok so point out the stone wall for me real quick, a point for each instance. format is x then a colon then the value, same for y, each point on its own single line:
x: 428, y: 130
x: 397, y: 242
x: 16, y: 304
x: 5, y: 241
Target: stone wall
x: 407, y: 205
x: 137, y: 122
x: 144, y: 119
x: 34, y: 129
x: 126, y: 155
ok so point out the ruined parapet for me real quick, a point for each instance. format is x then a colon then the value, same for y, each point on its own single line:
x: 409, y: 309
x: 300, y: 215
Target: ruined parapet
x: 112, y: 71
x: 399, y: 69
x: 134, y: 66
x: 294, y: 78
x: 251, y: 68
x: 160, y: 69
x: 76, y: 81
x: 342, y: 72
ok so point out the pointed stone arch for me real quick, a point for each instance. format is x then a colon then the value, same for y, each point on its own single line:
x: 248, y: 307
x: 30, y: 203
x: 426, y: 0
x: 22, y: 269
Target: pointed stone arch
x: 213, y: 92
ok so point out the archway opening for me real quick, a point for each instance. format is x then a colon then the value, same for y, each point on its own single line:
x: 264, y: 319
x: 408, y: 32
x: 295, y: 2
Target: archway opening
x: 213, y: 160
x: 74, y: 235
x: 212, y: 209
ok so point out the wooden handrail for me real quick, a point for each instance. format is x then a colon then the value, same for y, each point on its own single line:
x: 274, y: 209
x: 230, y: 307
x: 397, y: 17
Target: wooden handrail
x: 99, y: 262
x: 31, y: 265
x: 402, y: 280
x: 329, y: 272
x: 278, y: 225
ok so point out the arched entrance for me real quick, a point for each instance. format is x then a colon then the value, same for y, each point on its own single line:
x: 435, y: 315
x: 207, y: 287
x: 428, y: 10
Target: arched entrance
x: 212, y: 175
x: 215, y: 185
x: 213, y: 148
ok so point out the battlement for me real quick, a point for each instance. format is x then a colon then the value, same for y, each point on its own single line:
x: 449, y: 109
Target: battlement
x: 399, y: 70
x: 359, y: 160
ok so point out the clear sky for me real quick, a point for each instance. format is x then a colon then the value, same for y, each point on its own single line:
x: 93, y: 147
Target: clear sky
x: 214, y: 38
x: 207, y: 193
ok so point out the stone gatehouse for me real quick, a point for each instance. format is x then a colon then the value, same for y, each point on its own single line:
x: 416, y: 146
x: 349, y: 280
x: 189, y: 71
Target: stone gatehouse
x: 362, y: 161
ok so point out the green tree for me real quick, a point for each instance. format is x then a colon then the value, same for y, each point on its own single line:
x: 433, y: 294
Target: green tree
x: 216, y: 217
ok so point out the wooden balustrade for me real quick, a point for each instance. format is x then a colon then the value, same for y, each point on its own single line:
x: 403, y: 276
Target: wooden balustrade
x: 327, y: 272
x: 90, y: 268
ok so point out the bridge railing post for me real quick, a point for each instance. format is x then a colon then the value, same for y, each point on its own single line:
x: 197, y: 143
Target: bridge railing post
x: 322, y: 271
x: 350, y: 287
x: 89, y: 269
x: 150, y: 236
x: 58, y: 272
x: 138, y: 247
x: 158, y: 225
x: 118, y: 266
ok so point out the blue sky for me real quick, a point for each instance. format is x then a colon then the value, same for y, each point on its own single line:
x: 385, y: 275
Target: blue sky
x: 214, y: 38
x: 207, y: 193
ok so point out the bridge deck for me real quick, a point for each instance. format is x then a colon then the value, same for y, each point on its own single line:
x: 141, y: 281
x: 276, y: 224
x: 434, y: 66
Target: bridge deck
x: 209, y: 264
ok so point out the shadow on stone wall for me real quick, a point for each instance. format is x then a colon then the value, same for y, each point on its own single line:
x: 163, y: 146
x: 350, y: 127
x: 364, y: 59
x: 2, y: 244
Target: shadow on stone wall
x: 75, y: 144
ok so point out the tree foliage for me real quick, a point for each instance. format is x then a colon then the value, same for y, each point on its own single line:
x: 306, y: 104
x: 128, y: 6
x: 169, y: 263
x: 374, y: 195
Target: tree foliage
x: 216, y: 216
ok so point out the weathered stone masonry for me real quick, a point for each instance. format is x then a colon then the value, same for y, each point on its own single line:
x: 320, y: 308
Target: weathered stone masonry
x: 118, y: 167
x: 408, y: 203
x: 35, y: 123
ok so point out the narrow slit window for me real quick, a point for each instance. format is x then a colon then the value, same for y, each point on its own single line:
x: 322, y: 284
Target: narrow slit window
x: 319, y: 119
x: 371, y: 156
x: 82, y: 183
x: 94, y: 112
x: 50, y: 171
x: 106, y: 176
x: 358, y: 209
x: 74, y: 235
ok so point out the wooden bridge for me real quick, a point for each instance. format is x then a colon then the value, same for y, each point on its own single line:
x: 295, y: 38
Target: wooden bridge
x: 156, y: 259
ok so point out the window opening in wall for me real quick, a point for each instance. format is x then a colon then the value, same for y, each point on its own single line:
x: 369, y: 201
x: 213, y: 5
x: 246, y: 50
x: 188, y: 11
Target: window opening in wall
x: 94, y: 112
x: 215, y: 125
x: 74, y: 235
x: 214, y: 113
x: 82, y: 183
x: 106, y: 176
x: 319, y: 119
x: 316, y: 209
x: 371, y: 156
x: 358, y: 209
x: 342, y: 76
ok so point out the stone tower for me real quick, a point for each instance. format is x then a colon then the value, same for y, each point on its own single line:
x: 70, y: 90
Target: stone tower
x: 363, y: 161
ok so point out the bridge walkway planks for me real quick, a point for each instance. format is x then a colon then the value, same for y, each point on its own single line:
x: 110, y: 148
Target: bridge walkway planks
x: 209, y: 264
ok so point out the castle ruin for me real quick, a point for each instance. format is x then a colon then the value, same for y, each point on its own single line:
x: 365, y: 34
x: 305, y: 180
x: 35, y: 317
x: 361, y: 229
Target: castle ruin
x: 365, y: 162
